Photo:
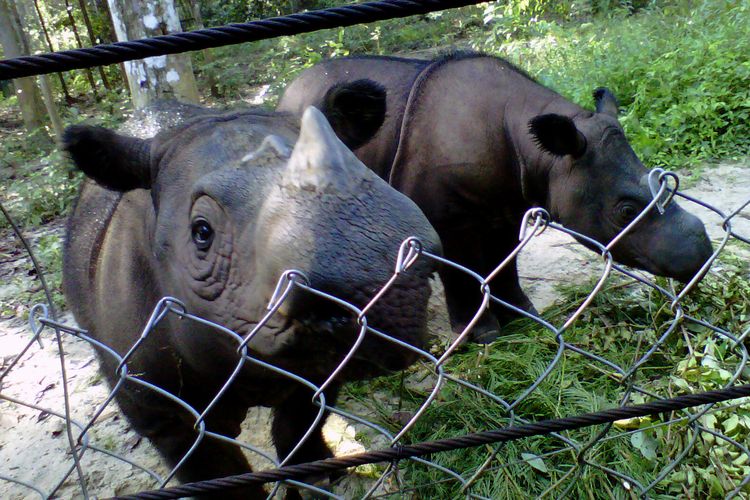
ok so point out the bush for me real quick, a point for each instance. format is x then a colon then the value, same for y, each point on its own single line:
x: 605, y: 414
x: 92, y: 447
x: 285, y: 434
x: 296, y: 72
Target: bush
x: 680, y: 73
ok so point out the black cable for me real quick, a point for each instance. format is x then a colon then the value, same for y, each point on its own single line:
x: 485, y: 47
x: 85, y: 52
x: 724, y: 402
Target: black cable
x: 223, y: 35
x: 427, y: 448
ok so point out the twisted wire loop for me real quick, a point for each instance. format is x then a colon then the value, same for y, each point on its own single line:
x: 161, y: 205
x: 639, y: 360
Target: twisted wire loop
x: 685, y: 412
x: 176, y: 43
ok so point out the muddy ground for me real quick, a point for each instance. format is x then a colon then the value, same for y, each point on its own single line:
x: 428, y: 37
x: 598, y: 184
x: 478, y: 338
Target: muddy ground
x: 33, y: 442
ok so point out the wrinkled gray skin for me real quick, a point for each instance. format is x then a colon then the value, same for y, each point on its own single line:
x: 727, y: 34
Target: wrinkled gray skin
x: 475, y: 142
x: 273, y: 201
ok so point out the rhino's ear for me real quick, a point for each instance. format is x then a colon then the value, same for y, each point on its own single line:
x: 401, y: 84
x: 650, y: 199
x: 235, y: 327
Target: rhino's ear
x: 355, y: 110
x: 558, y: 135
x: 606, y: 102
x: 117, y: 162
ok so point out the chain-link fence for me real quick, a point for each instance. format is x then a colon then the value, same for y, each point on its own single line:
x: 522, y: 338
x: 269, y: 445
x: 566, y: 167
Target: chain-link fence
x: 637, y: 338
x: 381, y: 415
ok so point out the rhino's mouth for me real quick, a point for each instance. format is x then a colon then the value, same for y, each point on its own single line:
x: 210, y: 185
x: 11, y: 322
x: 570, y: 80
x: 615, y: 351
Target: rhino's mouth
x: 329, y: 326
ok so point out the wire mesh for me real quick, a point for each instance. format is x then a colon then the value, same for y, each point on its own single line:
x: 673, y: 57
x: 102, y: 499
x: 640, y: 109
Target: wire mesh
x: 432, y: 382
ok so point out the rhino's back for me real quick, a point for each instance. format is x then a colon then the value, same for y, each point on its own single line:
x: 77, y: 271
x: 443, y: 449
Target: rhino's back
x: 395, y: 74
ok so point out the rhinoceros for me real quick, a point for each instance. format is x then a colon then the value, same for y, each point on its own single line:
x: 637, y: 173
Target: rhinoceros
x: 211, y: 213
x: 475, y: 142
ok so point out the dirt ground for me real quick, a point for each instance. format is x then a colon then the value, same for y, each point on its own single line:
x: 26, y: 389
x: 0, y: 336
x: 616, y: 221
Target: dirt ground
x: 33, y: 442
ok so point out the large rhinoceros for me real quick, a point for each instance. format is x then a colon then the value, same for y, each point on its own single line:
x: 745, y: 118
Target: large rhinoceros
x: 212, y: 213
x: 475, y: 142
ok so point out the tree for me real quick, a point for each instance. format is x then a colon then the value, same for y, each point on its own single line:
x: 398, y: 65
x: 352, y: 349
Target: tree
x: 74, y: 27
x: 44, y: 84
x: 208, y: 57
x: 154, y: 77
x: 15, y: 44
x: 51, y: 48
x: 92, y: 39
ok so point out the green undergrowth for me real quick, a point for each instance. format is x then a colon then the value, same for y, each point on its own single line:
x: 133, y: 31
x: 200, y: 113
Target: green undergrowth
x: 240, y: 69
x: 620, y: 325
x: 679, y: 69
x: 37, y: 183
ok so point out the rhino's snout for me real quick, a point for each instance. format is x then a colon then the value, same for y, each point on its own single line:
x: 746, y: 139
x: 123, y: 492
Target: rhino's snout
x: 679, y: 249
x: 688, y: 258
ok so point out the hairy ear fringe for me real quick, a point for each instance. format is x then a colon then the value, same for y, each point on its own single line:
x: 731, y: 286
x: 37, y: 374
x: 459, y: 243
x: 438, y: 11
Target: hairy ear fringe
x: 557, y: 135
x: 114, y: 161
x: 355, y: 110
x: 606, y: 102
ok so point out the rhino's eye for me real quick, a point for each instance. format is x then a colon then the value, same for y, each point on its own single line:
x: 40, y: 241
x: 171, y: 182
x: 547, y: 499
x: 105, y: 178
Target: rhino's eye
x: 626, y: 212
x: 203, y: 233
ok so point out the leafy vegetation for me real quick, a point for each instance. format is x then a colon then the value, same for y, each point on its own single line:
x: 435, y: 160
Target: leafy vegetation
x: 620, y: 326
x: 37, y: 184
x: 679, y: 70
x: 239, y: 70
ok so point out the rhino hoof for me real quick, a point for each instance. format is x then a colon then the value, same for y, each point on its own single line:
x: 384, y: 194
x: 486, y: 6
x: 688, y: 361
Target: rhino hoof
x: 485, y: 335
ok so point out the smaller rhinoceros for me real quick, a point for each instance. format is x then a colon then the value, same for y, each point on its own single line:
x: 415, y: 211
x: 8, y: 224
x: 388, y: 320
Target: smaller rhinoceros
x: 212, y: 213
x: 475, y: 142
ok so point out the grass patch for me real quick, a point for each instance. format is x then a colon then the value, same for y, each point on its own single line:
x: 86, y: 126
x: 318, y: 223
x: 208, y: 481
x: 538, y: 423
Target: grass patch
x: 679, y: 69
x: 621, y: 325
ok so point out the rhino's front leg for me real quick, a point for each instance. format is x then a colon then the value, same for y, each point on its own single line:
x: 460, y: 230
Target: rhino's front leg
x: 292, y: 419
x: 462, y: 291
x: 171, y: 430
x: 497, y: 245
x: 211, y: 459
x: 463, y: 294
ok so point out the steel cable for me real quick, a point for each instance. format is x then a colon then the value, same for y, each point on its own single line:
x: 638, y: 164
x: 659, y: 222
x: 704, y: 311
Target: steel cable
x: 220, y: 36
x: 429, y: 447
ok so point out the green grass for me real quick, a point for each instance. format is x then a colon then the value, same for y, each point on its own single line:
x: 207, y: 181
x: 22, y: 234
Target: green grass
x: 679, y: 71
x: 621, y: 324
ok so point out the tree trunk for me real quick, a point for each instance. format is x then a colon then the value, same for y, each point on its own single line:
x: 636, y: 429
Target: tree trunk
x: 103, y: 6
x: 37, y: 44
x: 49, y: 103
x: 92, y: 39
x: 154, y: 77
x: 51, y: 48
x: 74, y: 27
x: 208, y: 57
x: 29, y: 99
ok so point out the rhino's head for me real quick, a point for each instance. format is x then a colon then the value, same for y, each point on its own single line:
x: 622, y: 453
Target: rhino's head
x: 240, y: 198
x: 598, y: 186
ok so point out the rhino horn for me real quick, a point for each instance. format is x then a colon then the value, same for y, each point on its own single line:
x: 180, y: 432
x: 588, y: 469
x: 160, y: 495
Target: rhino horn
x: 320, y: 161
